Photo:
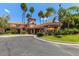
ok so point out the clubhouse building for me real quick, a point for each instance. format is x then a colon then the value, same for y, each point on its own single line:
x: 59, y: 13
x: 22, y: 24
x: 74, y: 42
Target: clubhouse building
x: 33, y: 28
x: 44, y: 28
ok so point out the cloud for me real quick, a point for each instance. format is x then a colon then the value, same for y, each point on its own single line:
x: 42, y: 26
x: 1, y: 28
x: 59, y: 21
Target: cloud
x: 6, y: 10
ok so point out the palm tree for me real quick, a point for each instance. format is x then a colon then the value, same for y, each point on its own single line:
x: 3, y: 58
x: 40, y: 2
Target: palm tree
x: 6, y: 18
x: 59, y: 5
x: 24, y: 9
x: 4, y: 21
x: 69, y: 15
x: 40, y: 14
x: 49, y: 12
x: 73, y: 9
x: 31, y: 10
x: 50, y: 9
x: 28, y: 15
x: 65, y: 17
x: 76, y: 20
x: 61, y: 13
x: 54, y: 19
x: 67, y: 20
x: 1, y: 22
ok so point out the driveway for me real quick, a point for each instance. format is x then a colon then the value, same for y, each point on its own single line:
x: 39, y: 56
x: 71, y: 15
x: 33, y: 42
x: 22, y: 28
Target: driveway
x: 29, y: 46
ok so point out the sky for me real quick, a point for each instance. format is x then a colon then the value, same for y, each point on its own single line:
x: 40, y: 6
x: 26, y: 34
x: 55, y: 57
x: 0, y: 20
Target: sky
x: 15, y: 12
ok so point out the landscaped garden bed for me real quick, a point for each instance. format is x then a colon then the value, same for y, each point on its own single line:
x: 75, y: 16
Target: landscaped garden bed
x: 64, y: 38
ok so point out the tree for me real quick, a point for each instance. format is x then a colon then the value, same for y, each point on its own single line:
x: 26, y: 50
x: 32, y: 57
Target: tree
x: 6, y: 17
x: 24, y: 9
x: 62, y: 16
x: 41, y: 15
x: 54, y: 19
x: 49, y: 12
x: 61, y: 13
x: 28, y: 15
x: 73, y: 9
x: 65, y: 17
x: 71, y: 16
x: 68, y: 20
x: 75, y: 18
x: 31, y: 10
x: 4, y: 21
x: 50, y: 9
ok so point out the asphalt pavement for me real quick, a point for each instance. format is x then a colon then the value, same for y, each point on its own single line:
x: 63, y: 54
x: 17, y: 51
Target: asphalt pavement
x: 29, y: 46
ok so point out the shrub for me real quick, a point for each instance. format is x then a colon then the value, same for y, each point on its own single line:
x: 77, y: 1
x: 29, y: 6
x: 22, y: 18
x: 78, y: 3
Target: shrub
x: 58, y: 36
x: 14, y: 31
x: 23, y: 32
x: 39, y: 34
x: 59, y: 32
x: 70, y: 31
x: 28, y: 31
x: 1, y: 33
x: 67, y: 31
x: 8, y: 32
x: 76, y: 31
x: 50, y: 33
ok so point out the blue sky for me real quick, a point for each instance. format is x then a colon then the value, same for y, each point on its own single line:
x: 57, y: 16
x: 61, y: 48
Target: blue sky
x: 16, y: 12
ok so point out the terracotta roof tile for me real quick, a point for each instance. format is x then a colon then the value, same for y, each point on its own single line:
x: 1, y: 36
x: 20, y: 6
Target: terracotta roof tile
x: 45, y: 25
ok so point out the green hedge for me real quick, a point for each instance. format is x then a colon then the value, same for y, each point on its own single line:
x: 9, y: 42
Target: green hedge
x: 23, y: 31
x: 14, y: 31
x: 39, y: 34
x: 70, y: 31
x: 50, y: 33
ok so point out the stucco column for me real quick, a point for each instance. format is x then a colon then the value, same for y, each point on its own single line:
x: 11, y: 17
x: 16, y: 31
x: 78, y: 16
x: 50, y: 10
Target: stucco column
x: 34, y: 31
x: 30, y: 31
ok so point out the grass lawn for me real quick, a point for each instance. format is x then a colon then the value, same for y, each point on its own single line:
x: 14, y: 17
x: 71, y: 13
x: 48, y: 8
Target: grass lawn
x: 65, y: 38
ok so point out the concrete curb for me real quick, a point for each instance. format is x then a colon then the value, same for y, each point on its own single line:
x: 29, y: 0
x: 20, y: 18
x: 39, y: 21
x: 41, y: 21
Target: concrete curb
x: 14, y: 35
x: 56, y: 42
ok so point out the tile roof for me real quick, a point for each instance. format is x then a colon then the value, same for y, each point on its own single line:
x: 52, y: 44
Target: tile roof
x: 55, y: 24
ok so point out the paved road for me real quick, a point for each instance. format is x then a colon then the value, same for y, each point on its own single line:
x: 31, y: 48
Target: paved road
x: 29, y: 46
